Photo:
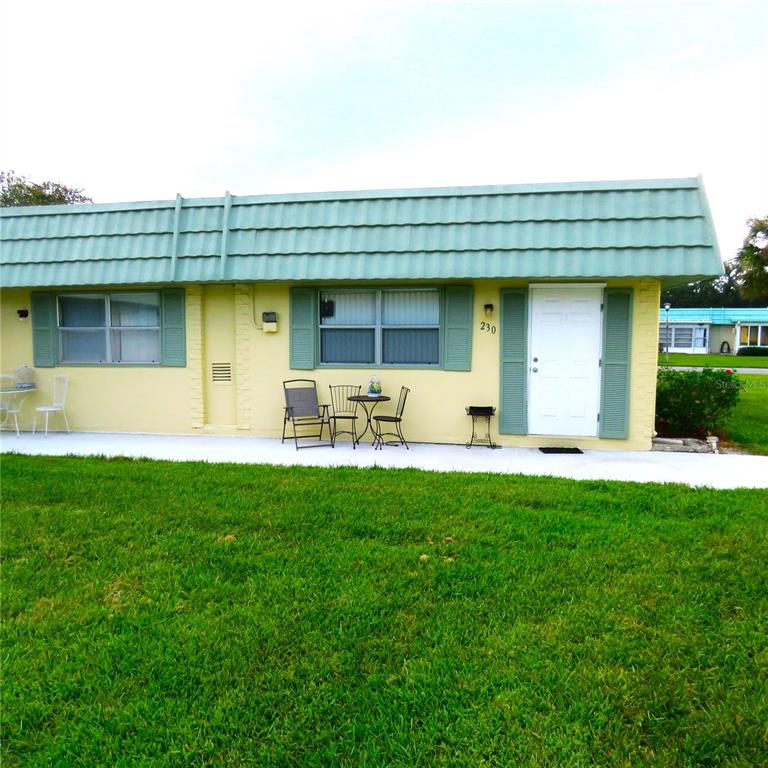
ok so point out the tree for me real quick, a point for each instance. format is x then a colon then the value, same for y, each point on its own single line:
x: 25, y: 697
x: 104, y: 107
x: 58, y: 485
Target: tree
x: 744, y: 284
x: 19, y: 190
x: 752, y: 260
x: 724, y: 291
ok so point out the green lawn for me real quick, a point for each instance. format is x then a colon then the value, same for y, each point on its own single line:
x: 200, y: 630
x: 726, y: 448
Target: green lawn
x: 748, y: 426
x: 715, y: 361
x: 159, y: 614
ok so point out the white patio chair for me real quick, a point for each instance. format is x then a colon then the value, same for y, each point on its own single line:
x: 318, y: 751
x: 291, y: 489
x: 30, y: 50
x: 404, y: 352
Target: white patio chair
x: 60, y: 384
x: 9, y: 403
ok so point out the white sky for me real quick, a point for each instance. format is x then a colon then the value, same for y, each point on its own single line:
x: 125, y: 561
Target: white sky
x: 140, y: 100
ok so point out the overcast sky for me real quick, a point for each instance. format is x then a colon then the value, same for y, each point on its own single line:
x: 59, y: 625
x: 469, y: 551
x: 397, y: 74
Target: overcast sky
x: 140, y: 100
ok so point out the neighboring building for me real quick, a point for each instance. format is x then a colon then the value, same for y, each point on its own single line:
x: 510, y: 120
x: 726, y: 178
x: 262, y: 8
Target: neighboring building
x: 713, y: 329
x: 541, y: 300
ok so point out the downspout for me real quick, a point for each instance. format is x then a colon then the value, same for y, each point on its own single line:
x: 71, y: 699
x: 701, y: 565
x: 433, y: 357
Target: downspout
x: 225, y: 233
x: 256, y: 324
x: 175, y: 239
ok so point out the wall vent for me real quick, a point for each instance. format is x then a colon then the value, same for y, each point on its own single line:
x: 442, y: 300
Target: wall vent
x: 221, y: 373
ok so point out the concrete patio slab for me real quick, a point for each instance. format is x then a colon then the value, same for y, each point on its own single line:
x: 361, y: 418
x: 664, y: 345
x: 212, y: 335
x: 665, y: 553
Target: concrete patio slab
x: 716, y: 471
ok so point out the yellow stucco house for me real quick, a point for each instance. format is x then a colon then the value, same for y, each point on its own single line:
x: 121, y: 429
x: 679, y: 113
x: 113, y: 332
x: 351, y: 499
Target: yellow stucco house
x: 185, y: 316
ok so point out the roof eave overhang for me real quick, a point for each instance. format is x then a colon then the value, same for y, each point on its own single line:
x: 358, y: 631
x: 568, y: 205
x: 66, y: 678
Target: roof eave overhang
x: 666, y: 281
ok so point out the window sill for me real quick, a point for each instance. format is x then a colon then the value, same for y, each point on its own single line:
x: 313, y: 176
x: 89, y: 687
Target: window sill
x: 64, y: 364
x: 383, y: 366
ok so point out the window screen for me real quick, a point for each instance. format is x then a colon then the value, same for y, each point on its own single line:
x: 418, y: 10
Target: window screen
x: 683, y: 337
x: 380, y: 327
x: 109, y: 328
x: 410, y: 328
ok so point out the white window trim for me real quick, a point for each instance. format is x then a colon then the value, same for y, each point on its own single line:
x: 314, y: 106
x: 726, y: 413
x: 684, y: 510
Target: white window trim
x: 759, y: 326
x: 678, y: 325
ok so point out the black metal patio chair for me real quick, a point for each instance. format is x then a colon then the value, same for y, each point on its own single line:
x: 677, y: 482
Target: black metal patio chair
x: 397, y: 420
x: 343, y: 411
x: 302, y: 409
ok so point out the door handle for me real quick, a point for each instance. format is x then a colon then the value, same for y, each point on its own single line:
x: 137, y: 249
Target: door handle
x: 534, y: 369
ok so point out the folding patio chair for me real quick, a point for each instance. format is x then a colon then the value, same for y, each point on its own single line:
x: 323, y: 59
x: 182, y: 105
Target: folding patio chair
x: 303, y: 410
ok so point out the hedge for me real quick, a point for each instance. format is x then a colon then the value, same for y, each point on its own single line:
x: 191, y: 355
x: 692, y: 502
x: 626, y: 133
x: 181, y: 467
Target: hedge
x: 694, y: 403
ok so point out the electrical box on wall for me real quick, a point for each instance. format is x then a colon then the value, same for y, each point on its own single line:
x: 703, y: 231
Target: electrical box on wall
x: 269, y: 322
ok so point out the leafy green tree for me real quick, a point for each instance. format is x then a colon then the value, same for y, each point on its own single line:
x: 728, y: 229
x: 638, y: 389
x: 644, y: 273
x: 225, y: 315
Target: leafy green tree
x: 724, y: 291
x: 752, y: 260
x: 744, y: 284
x: 19, y: 190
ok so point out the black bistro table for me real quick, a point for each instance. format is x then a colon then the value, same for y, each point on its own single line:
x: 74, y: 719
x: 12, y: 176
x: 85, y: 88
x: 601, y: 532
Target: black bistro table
x: 365, y: 401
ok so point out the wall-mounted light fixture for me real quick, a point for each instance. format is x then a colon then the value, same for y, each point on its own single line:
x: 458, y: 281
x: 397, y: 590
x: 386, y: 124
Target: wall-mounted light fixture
x: 22, y: 313
x: 488, y: 309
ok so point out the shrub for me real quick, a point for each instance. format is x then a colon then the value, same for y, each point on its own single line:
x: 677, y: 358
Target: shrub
x: 694, y: 403
x: 753, y: 352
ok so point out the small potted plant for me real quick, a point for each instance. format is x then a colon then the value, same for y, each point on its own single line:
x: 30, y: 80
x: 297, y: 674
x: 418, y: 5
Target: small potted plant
x: 374, y: 386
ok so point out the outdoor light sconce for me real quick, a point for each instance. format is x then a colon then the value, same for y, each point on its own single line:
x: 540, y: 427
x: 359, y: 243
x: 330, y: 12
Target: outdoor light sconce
x: 22, y: 313
x: 488, y: 309
x: 269, y: 322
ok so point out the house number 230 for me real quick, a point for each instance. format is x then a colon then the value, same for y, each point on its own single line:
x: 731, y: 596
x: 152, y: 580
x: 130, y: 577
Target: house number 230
x: 487, y: 327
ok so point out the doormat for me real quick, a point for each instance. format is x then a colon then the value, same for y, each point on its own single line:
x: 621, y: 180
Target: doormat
x: 561, y: 450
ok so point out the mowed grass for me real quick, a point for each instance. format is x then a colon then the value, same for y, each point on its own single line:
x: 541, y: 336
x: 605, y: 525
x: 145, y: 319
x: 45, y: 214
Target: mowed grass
x: 748, y: 425
x: 161, y: 614
x: 714, y: 361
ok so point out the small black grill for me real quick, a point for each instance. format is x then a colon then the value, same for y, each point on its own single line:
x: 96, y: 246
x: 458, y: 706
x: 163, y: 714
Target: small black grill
x: 481, y: 412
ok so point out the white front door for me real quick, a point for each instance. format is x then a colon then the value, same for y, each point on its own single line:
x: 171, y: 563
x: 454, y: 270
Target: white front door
x: 564, y: 360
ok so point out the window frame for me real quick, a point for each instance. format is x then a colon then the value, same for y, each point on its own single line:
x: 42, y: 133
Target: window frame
x: 676, y: 329
x: 762, y: 333
x: 703, y: 332
x: 108, y: 328
x: 680, y: 334
x: 379, y: 326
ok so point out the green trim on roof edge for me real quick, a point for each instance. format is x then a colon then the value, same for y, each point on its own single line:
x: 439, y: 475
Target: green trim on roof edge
x: 374, y: 194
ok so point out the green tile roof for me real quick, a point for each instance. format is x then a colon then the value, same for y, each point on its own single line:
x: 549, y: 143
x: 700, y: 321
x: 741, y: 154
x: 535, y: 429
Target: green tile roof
x: 658, y: 228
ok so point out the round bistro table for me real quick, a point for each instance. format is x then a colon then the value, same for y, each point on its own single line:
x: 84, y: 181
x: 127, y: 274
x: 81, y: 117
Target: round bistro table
x: 11, y: 402
x: 365, y: 401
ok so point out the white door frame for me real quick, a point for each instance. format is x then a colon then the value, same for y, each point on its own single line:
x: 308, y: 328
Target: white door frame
x: 558, y: 286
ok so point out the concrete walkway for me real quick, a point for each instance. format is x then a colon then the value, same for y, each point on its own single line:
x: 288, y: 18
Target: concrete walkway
x: 717, y: 471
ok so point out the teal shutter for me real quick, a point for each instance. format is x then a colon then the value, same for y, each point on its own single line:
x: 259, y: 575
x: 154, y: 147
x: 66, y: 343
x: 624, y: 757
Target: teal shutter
x: 44, y: 329
x: 303, y: 328
x: 617, y: 348
x: 174, y: 327
x: 457, y: 328
x: 513, y: 417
